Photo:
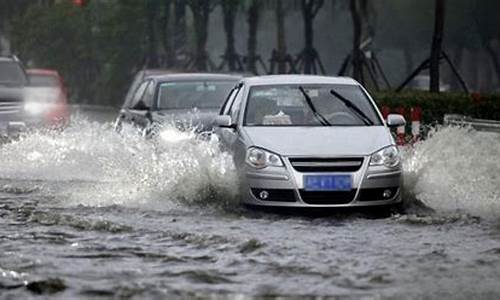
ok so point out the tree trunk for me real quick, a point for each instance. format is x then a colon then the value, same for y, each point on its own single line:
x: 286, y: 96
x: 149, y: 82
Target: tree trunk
x: 229, y: 9
x: 280, y: 37
x: 356, y: 52
x: 165, y: 34
x: 308, y: 53
x: 253, y: 24
x: 437, y: 41
x: 152, y: 42
x: 201, y: 13
x: 179, y: 45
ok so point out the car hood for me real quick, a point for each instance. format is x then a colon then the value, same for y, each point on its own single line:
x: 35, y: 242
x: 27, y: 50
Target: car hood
x: 320, y: 141
x: 201, y: 119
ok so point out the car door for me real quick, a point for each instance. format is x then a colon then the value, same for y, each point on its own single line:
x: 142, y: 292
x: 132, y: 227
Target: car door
x: 130, y: 114
x: 231, y: 138
x: 123, y: 115
x: 224, y: 134
x: 142, y: 104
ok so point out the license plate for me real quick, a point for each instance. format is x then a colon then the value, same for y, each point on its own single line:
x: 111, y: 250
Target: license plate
x: 328, y: 182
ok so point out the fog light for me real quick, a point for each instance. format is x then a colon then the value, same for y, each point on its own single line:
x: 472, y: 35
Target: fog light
x: 264, y: 195
x: 387, y: 194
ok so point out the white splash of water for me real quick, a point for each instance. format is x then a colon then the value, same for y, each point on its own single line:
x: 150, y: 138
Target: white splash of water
x: 90, y: 164
x: 456, y: 169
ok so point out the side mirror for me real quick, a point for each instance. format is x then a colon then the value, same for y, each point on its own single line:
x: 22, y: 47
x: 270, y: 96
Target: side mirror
x: 394, y: 120
x: 224, y: 121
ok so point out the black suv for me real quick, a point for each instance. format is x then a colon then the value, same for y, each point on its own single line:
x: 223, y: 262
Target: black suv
x: 13, y: 79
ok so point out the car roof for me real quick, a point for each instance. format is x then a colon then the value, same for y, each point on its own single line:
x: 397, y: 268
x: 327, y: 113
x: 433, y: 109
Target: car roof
x: 46, y: 72
x: 297, y: 79
x: 5, y: 58
x: 194, y: 77
x: 154, y: 72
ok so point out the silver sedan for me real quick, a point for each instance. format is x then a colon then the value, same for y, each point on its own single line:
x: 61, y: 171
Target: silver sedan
x: 310, y: 141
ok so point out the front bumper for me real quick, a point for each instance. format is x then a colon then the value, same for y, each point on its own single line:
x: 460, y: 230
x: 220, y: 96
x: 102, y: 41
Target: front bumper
x: 11, y: 125
x: 12, y: 128
x: 284, y: 186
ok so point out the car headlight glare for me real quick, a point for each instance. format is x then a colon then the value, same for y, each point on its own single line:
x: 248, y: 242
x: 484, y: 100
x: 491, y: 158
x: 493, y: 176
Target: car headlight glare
x: 170, y: 135
x: 260, y: 158
x: 388, y: 157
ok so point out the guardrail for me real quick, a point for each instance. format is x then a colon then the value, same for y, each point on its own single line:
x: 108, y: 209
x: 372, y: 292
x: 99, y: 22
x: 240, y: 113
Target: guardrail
x: 478, y: 124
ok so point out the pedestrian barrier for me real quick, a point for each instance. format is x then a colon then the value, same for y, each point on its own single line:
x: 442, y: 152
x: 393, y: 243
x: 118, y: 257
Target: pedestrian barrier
x: 411, y: 133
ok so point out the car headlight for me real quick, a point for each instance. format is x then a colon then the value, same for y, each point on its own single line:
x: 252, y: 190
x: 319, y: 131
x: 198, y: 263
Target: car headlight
x: 35, y: 108
x: 260, y: 158
x: 388, y: 157
x: 174, y: 136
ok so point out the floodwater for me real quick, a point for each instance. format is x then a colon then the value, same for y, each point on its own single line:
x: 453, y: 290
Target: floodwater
x: 88, y: 213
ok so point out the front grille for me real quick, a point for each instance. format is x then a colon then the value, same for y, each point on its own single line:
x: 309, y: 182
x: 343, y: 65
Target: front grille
x: 327, y: 197
x: 9, y: 106
x: 277, y: 195
x: 377, y: 194
x: 344, y: 164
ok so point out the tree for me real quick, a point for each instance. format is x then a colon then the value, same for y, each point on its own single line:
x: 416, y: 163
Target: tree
x: 231, y: 57
x: 10, y: 10
x: 180, y: 38
x: 412, y: 33
x: 281, y: 51
x: 165, y: 31
x: 486, y: 20
x: 253, y: 17
x: 310, y: 9
x: 357, y: 54
x: 151, y: 59
x: 75, y: 34
x: 201, y: 10
x: 437, y: 41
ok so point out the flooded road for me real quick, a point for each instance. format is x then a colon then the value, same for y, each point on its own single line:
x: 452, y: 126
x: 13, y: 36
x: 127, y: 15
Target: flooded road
x: 88, y: 213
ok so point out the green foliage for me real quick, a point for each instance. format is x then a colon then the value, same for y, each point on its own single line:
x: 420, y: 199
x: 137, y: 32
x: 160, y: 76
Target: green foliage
x: 435, y: 106
x: 96, y: 48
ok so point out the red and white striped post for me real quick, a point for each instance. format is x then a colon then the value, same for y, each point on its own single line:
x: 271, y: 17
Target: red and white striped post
x: 386, y: 110
x: 401, y: 131
x: 416, y: 119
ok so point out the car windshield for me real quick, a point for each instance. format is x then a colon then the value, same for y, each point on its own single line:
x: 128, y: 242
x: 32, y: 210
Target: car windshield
x: 11, y: 73
x: 308, y: 105
x: 36, y: 80
x: 190, y: 94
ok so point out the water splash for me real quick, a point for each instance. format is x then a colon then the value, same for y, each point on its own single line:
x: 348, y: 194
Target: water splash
x: 456, y: 169
x: 90, y: 164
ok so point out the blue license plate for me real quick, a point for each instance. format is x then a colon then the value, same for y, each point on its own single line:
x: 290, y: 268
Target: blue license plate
x: 328, y: 182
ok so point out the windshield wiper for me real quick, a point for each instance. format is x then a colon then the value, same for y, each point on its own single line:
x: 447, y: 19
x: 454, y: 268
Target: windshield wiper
x: 348, y: 103
x: 318, y: 116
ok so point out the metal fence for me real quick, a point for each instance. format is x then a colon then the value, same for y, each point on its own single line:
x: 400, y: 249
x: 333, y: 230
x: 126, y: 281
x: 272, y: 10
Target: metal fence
x: 478, y: 124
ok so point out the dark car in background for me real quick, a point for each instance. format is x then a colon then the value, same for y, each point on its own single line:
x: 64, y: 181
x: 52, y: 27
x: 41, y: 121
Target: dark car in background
x: 46, y: 99
x: 13, y: 79
x: 185, y: 100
